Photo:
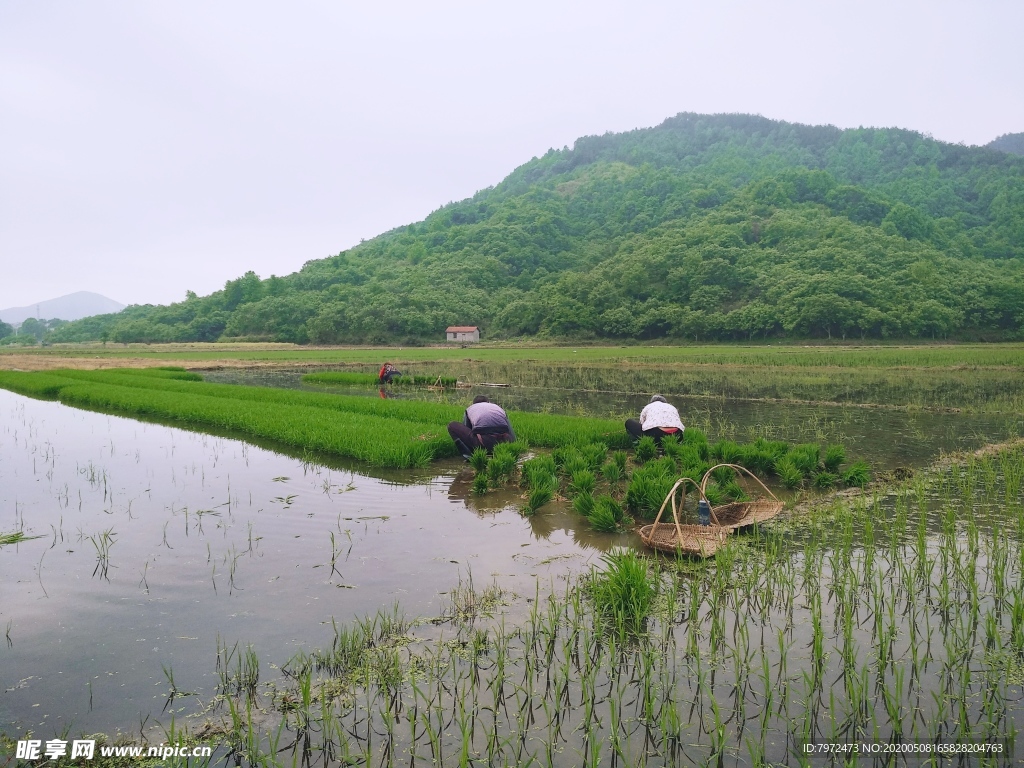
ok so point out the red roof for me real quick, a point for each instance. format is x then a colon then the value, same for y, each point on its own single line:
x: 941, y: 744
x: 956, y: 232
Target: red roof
x: 460, y: 329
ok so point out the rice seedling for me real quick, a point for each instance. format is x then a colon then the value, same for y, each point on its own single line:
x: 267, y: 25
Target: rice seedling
x: 646, y: 449
x: 724, y: 451
x: 624, y: 590
x: 789, y: 473
x: 857, y: 474
x: 540, y: 495
x: 835, y: 456
x: 583, y: 503
x: 582, y: 481
x: 606, y: 514
x: 611, y: 473
x: 102, y: 543
x: 825, y: 480
x: 538, y: 470
x: 478, y: 460
x: 620, y: 458
x: 501, y: 467
x: 805, y: 457
x: 481, y: 484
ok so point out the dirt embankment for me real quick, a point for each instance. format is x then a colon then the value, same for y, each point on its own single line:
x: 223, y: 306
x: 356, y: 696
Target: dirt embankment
x: 15, y: 362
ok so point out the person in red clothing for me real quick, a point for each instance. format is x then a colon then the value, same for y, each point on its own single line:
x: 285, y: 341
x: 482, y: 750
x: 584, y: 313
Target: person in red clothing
x: 387, y: 373
x: 484, y: 426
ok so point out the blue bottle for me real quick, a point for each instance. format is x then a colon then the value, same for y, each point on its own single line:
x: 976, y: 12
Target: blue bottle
x: 704, y: 512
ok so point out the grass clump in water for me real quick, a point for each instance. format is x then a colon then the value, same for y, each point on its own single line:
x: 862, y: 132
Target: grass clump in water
x: 583, y: 504
x: 478, y: 460
x: 857, y: 474
x: 480, y: 484
x: 624, y: 590
x: 607, y: 514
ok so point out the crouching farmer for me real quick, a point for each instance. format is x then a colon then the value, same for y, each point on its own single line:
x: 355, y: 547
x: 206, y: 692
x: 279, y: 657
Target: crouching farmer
x: 387, y: 373
x: 657, y: 419
x: 484, y: 426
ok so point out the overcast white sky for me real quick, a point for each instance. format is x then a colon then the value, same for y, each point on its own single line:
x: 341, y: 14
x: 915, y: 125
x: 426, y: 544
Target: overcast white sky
x: 149, y: 148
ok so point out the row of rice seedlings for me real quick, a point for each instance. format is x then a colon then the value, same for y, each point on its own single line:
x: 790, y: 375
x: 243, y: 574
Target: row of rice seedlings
x: 537, y: 429
x: 376, y: 440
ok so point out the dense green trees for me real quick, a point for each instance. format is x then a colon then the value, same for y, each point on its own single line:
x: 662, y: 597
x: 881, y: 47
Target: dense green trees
x: 705, y: 227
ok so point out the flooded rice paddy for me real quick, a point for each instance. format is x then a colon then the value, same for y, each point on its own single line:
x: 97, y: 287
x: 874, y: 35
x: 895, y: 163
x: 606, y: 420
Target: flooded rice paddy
x: 159, y: 547
x: 155, y: 541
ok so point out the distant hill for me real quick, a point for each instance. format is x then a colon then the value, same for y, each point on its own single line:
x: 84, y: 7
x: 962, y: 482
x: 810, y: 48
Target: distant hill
x: 704, y: 227
x: 74, y: 306
x: 1009, y: 142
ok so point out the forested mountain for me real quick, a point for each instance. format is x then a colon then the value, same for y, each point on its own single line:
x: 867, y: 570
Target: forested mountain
x: 1009, y: 142
x: 704, y: 227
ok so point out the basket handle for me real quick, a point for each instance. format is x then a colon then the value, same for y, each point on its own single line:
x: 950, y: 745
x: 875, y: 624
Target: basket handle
x: 682, y: 481
x: 704, y: 480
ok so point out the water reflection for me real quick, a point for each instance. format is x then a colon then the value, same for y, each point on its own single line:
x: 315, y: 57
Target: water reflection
x: 194, y: 536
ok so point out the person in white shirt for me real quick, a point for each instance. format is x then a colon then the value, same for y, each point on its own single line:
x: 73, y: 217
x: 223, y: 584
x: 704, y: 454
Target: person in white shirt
x: 657, y: 419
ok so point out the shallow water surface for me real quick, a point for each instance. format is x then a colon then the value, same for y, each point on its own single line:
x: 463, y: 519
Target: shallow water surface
x: 156, y: 543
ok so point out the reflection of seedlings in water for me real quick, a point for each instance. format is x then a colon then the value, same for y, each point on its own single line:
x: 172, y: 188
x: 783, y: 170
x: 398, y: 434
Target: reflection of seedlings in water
x: 465, y: 604
x: 253, y: 542
x: 231, y: 559
x: 39, y: 573
x: 143, y: 582
x: 244, y: 678
x: 175, y: 691
x: 286, y: 500
x: 164, y: 542
x: 336, y: 551
x: 10, y: 642
x: 201, y: 513
x: 102, y: 542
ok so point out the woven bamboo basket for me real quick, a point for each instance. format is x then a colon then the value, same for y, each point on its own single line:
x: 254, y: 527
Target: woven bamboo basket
x: 678, y: 538
x: 739, y: 514
x: 699, y: 540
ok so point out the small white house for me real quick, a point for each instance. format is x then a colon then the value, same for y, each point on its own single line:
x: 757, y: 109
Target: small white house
x: 462, y: 333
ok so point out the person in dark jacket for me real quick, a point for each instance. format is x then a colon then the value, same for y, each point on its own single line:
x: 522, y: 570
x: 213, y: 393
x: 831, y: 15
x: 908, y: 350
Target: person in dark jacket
x: 484, y: 425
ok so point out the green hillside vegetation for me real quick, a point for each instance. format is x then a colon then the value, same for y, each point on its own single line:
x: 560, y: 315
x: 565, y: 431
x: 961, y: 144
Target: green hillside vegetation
x: 1009, y: 142
x: 702, y: 228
